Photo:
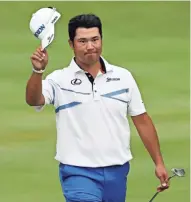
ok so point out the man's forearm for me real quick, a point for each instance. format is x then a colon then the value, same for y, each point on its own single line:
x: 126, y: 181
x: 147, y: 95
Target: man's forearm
x: 149, y: 137
x: 34, y: 90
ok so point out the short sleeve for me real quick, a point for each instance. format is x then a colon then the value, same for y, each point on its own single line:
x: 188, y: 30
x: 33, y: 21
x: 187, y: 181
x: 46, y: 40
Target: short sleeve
x: 136, y: 105
x: 48, y: 91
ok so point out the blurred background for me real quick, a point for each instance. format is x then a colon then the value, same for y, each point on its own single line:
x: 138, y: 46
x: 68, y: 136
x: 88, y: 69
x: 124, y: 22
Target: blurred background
x: 150, y: 39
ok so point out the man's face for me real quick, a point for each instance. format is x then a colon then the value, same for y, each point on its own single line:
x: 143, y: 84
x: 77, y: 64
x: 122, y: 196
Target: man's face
x: 87, y: 45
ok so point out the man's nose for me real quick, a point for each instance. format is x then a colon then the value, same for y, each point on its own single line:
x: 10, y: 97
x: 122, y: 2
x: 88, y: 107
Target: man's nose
x: 89, y: 45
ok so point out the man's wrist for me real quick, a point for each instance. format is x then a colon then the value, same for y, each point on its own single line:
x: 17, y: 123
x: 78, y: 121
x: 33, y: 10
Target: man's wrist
x: 38, y: 71
x: 159, y: 161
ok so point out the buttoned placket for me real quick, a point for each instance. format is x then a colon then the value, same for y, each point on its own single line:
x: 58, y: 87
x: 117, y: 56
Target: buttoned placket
x: 95, y: 91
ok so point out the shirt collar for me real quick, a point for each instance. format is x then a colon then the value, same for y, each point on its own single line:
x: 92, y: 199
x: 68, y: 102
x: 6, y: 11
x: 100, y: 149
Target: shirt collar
x: 76, y: 68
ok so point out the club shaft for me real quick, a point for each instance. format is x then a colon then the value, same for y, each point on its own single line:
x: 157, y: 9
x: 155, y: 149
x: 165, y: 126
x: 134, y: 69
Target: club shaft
x: 154, y: 196
x: 171, y: 177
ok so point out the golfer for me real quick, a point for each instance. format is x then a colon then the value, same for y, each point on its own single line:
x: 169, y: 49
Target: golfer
x: 92, y: 99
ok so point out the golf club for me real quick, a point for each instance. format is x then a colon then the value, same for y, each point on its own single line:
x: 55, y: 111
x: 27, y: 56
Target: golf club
x: 179, y: 172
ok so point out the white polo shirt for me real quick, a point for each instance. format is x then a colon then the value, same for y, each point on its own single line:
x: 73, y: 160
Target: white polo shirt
x: 91, y: 119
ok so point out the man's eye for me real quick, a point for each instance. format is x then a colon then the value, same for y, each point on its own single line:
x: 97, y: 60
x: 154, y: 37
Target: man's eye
x: 95, y: 39
x: 82, y: 41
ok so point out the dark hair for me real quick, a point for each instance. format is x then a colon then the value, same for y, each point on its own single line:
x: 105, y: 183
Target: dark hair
x: 84, y: 21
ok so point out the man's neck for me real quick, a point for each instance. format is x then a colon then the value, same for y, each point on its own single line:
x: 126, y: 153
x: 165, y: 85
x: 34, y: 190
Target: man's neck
x: 93, y: 69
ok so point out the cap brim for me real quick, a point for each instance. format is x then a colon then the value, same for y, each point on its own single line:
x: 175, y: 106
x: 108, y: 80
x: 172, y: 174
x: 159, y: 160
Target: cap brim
x: 48, y: 38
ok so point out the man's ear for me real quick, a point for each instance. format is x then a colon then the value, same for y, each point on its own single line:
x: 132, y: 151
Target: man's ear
x: 71, y: 44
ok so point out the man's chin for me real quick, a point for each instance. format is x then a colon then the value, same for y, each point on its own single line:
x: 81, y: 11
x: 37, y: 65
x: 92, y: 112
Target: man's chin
x: 92, y: 58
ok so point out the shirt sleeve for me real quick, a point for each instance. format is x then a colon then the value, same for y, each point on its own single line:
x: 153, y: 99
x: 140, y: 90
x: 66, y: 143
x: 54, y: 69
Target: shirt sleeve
x: 48, y: 91
x: 136, y: 105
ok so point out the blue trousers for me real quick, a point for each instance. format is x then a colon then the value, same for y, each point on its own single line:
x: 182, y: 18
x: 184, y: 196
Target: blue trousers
x: 103, y: 184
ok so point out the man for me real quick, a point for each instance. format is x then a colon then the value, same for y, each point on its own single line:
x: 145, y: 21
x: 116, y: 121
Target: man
x: 91, y: 99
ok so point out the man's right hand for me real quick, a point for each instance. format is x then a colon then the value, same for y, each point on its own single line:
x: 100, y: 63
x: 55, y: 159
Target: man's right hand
x: 39, y: 59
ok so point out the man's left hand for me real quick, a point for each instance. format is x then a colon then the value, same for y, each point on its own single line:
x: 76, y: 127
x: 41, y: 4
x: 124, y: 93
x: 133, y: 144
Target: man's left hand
x: 162, y: 174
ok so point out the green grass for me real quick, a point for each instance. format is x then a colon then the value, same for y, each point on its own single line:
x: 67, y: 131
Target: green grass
x: 151, y: 39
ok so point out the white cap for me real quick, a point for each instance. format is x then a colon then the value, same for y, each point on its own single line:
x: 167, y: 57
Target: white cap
x: 42, y: 25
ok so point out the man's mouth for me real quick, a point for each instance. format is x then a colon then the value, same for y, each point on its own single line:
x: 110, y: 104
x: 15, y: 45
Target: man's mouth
x: 89, y: 53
